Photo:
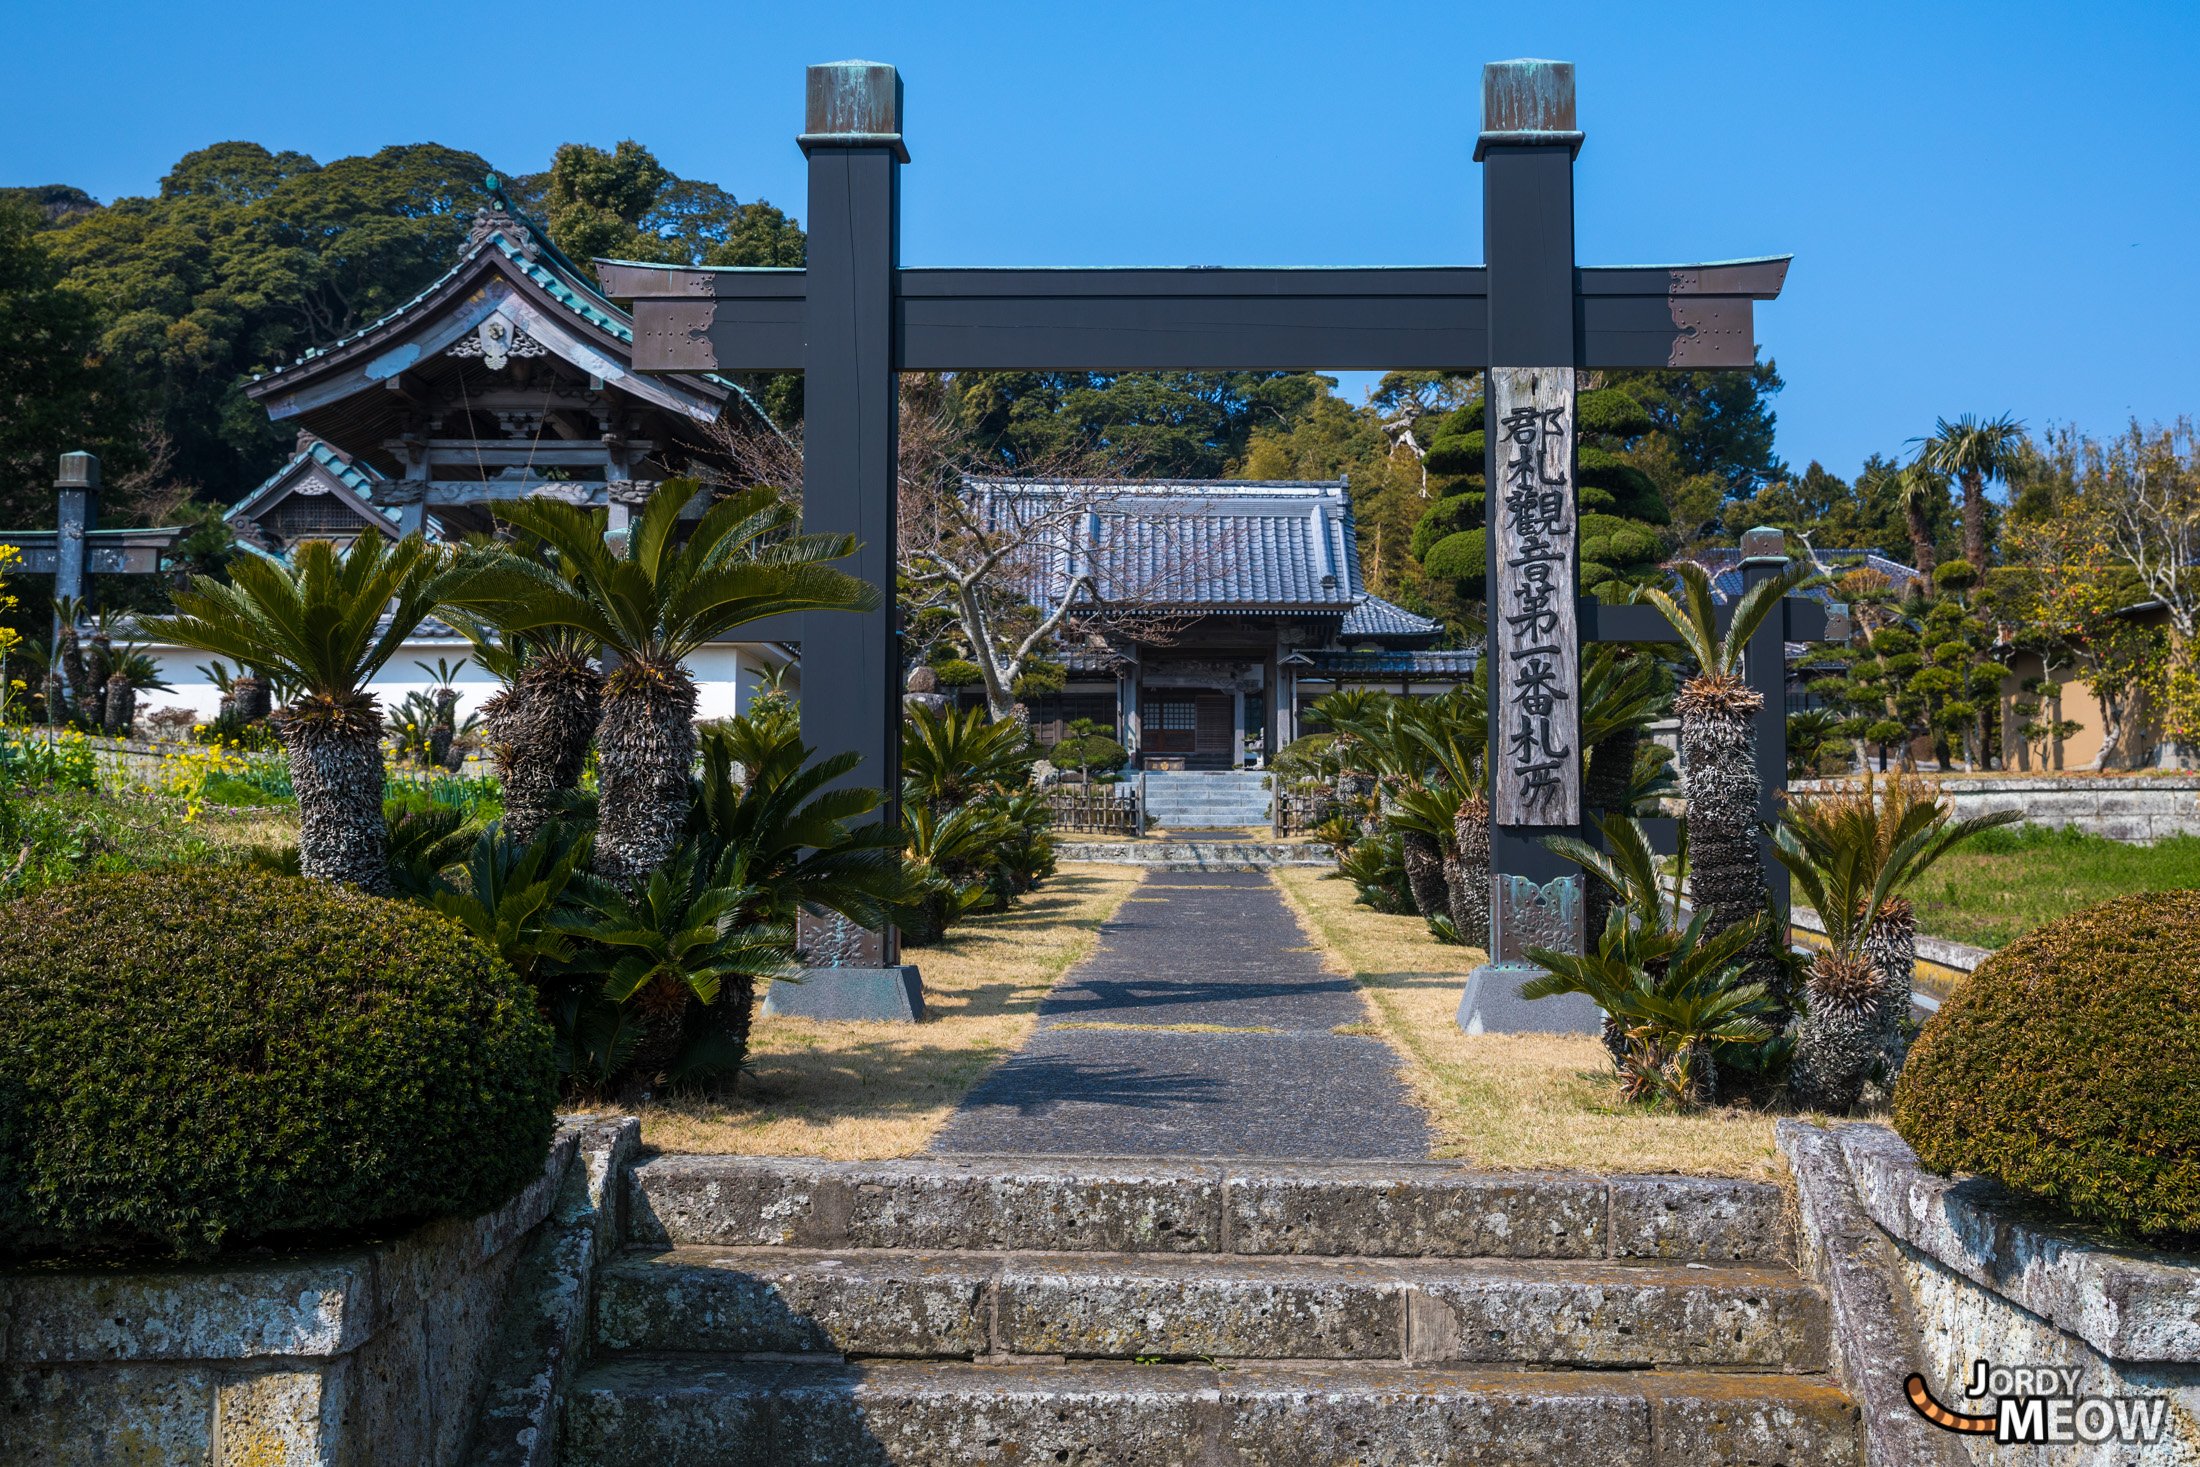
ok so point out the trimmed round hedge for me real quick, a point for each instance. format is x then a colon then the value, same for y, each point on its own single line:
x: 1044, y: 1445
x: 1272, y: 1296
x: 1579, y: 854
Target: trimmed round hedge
x: 194, y: 1058
x: 2068, y: 1067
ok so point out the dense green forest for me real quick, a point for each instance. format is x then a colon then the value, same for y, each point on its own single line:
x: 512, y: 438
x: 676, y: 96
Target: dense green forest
x: 131, y: 328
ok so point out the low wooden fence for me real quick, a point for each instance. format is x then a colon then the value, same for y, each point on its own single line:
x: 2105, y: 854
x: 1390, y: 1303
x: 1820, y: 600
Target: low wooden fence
x: 1109, y: 809
x: 1298, y: 813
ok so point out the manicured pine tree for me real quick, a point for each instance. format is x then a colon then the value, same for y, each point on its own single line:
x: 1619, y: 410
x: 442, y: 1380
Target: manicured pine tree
x: 1622, y: 515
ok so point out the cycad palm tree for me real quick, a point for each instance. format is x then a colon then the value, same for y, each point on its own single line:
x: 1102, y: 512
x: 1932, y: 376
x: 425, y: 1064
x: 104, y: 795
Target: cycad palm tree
x: 1716, y: 709
x: 1973, y: 451
x: 1853, y: 854
x: 651, y: 603
x: 327, y: 622
x: 950, y: 758
x: 540, y: 723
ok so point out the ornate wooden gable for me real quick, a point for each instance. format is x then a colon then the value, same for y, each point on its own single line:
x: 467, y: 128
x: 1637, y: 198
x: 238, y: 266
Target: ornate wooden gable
x: 508, y: 376
x: 319, y: 495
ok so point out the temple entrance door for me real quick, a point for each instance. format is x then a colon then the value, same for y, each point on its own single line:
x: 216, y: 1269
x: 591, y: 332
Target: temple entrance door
x: 1216, y: 717
x: 1170, y: 722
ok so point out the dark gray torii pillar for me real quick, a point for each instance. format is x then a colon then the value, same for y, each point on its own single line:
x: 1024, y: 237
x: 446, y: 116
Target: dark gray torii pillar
x: 850, y: 440
x: 77, y: 489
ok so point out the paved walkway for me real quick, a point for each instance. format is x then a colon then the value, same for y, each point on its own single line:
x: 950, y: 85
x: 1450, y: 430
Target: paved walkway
x: 1196, y: 948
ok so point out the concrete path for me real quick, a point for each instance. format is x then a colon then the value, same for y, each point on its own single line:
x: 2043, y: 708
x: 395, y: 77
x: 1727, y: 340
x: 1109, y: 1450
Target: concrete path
x: 1196, y: 948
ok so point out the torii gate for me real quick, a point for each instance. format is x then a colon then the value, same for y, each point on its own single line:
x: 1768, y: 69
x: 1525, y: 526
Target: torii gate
x: 855, y: 317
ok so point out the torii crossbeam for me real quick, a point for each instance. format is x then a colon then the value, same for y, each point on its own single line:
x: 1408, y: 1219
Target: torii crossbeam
x: 855, y: 317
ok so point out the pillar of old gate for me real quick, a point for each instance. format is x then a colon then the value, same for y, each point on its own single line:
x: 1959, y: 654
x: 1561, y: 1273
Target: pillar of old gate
x: 77, y: 489
x: 851, y: 693
x: 1526, y: 149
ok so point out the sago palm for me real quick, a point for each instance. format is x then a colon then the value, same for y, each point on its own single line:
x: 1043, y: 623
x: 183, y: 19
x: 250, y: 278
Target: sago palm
x: 650, y: 603
x: 1852, y: 855
x: 539, y: 725
x: 1716, y: 708
x: 1919, y: 488
x: 327, y: 623
x: 950, y: 758
x: 681, y: 953
x: 1675, y: 996
x: 1973, y: 451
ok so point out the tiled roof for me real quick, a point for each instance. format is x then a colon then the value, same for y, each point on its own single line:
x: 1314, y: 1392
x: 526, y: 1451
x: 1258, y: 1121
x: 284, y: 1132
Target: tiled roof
x: 360, y: 479
x: 1376, y: 617
x: 1725, y: 567
x: 1435, y: 666
x: 1254, y: 545
x: 569, y: 288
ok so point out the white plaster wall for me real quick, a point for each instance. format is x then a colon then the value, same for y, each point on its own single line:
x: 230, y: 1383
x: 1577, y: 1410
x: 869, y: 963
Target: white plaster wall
x: 729, y: 674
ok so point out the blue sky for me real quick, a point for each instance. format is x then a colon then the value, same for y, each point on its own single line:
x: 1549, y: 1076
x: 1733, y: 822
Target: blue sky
x: 1991, y: 206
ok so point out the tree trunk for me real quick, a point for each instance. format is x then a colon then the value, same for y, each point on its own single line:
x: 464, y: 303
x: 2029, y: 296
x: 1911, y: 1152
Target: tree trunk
x: 120, y: 707
x: 1974, y: 521
x: 1424, y: 860
x: 444, y: 729
x: 1891, y: 944
x: 335, y: 749
x: 251, y: 697
x: 72, y: 665
x: 1726, y: 870
x: 1837, y: 1044
x: 645, y: 748
x: 1921, y: 539
x: 1604, y: 787
x: 539, y: 731
x: 98, y: 665
x: 1467, y: 876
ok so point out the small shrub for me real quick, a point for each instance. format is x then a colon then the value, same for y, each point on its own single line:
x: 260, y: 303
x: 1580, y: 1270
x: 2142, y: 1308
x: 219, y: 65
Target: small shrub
x: 2068, y: 1067
x: 193, y: 1058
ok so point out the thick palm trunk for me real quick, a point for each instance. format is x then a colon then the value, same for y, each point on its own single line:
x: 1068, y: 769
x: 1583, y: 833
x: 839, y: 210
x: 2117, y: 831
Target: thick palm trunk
x: 1837, y: 1043
x: 97, y: 667
x: 335, y: 749
x: 1467, y: 875
x: 539, y: 732
x: 1726, y: 869
x: 1921, y: 539
x: 72, y: 666
x: 252, y: 698
x: 1604, y: 787
x: 1891, y: 944
x: 1424, y: 860
x: 120, y: 708
x: 1974, y: 521
x: 645, y: 748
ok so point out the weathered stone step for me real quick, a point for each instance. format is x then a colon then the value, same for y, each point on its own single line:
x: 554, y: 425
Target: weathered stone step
x: 1488, y: 1311
x: 1372, y: 1210
x: 683, y: 1412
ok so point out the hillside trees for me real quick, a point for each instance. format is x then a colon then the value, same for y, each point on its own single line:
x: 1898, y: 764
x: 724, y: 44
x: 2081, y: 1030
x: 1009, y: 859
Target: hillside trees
x: 56, y: 394
x: 245, y: 257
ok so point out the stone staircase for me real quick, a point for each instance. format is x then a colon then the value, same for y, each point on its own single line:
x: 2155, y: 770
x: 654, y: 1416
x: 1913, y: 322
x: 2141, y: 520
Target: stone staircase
x: 974, y: 1310
x: 1206, y: 801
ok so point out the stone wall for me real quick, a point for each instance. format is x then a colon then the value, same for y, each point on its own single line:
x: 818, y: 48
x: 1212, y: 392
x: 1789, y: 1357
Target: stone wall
x: 2137, y: 808
x: 1970, y: 1280
x: 374, y: 1354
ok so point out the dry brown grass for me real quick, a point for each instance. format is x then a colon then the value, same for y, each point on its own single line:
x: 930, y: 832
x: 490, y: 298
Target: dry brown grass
x: 864, y: 1091
x: 1510, y: 1101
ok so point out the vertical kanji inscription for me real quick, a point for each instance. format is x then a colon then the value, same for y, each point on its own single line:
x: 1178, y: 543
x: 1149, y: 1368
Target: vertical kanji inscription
x: 1537, y: 703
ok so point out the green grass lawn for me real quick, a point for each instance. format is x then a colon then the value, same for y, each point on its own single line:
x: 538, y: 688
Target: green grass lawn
x: 2009, y: 881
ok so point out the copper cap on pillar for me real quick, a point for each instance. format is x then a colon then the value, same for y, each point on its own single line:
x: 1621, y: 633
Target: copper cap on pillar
x: 853, y: 104
x: 1526, y: 103
x: 79, y: 470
